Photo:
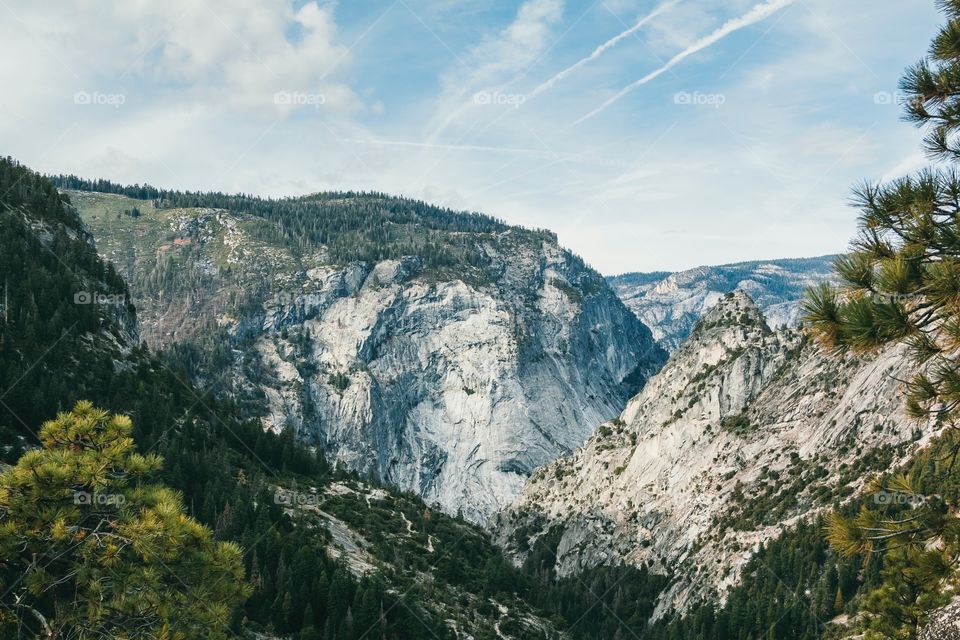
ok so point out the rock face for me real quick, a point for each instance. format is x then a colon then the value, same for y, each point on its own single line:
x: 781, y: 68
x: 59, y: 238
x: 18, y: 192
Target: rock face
x: 743, y: 431
x: 944, y: 624
x: 454, y: 392
x: 453, y: 388
x: 672, y: 303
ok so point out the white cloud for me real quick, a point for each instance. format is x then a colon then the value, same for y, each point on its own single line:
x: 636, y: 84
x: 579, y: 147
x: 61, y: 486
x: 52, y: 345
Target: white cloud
x: 768, y: 172
x: 231, y: 53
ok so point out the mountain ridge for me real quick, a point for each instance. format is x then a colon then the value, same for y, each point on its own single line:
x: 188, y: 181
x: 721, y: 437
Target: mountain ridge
x: 453, y: 378
x: 709, y: 476
x: 670, y: 303
x: 322, y: 549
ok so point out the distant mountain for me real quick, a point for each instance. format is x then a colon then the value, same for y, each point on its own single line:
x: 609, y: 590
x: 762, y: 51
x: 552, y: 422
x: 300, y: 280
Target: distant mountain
x: 672, y: 303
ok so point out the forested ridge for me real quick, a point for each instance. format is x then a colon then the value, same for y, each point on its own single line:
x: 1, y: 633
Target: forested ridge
x: 226, y: 467
x: 365, y: 226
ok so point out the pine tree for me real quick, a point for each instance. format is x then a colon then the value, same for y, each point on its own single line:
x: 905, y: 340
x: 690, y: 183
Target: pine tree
x: 902, y: 280
x: 89, y: 548
x: 901, y: 284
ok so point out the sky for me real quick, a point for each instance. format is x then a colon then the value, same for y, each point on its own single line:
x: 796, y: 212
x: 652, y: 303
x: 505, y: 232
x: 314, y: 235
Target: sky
x: 650, y: 135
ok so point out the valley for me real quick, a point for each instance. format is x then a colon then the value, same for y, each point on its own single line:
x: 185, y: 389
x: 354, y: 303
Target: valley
x: 399, y: 403
x: 353, y: 321
x: 744, y: 433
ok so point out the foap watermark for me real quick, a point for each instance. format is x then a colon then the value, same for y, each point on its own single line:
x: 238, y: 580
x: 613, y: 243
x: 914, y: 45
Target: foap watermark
x: 889, y: 98
x: 299, y: 99
x: 99, y: 99
x: 98, y: 499
x: 94, y: 297
x: 287, y: 298
x: 882, y: 297
x: 899, y: 498
x: 497, y: 98
x: 289, y: 498
x: 698, y: 99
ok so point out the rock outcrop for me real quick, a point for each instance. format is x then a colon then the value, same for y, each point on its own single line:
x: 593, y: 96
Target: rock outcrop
x: 944, y: 624
x: 452, y: 391
x: 453, y: 383
x: 742, y: 432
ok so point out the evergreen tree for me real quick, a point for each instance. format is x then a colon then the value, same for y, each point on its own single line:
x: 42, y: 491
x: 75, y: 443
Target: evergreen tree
x: 90, y: 548
x: 902, y: 285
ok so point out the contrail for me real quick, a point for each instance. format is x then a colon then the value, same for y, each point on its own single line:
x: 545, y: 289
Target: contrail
x: 516, y: 151
x: 454, y: 147
x: 758, y: 13
x: 603, y: 47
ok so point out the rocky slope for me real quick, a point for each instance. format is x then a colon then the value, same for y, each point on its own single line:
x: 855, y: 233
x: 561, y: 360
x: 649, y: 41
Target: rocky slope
x: 453, y: 382
x: 68, y: 331
x: 672, y: 303
x: 384, y: 533
x: 742, y: 432
x: 59, y: 305
x: 944, y: 624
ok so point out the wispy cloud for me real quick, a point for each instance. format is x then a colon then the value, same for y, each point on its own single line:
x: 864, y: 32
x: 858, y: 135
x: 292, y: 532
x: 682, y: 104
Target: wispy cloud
x: 912, y: 163
x: 364, y: 87
x: 756, y: 14
x: 593, y: 158
x: 609, y: 44
x: 495, y: 58
x: 451, y: 147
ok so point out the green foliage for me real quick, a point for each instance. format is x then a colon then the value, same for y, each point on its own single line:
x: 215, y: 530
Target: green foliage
x: 902, y: 285
x: 573, y: 294
x: 903, y: 513
x: 790, y: 590
x: 352, y: 226
x: 46, y: 262
x: 738, y: 424
x: 89, y: 548
x: 903, y: 277
x: 933, y: 88
x: 339, y: 381
x: 596, y: 604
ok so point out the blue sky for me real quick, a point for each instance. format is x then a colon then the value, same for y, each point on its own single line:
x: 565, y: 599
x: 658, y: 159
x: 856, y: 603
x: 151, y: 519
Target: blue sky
x: 649, y: 134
